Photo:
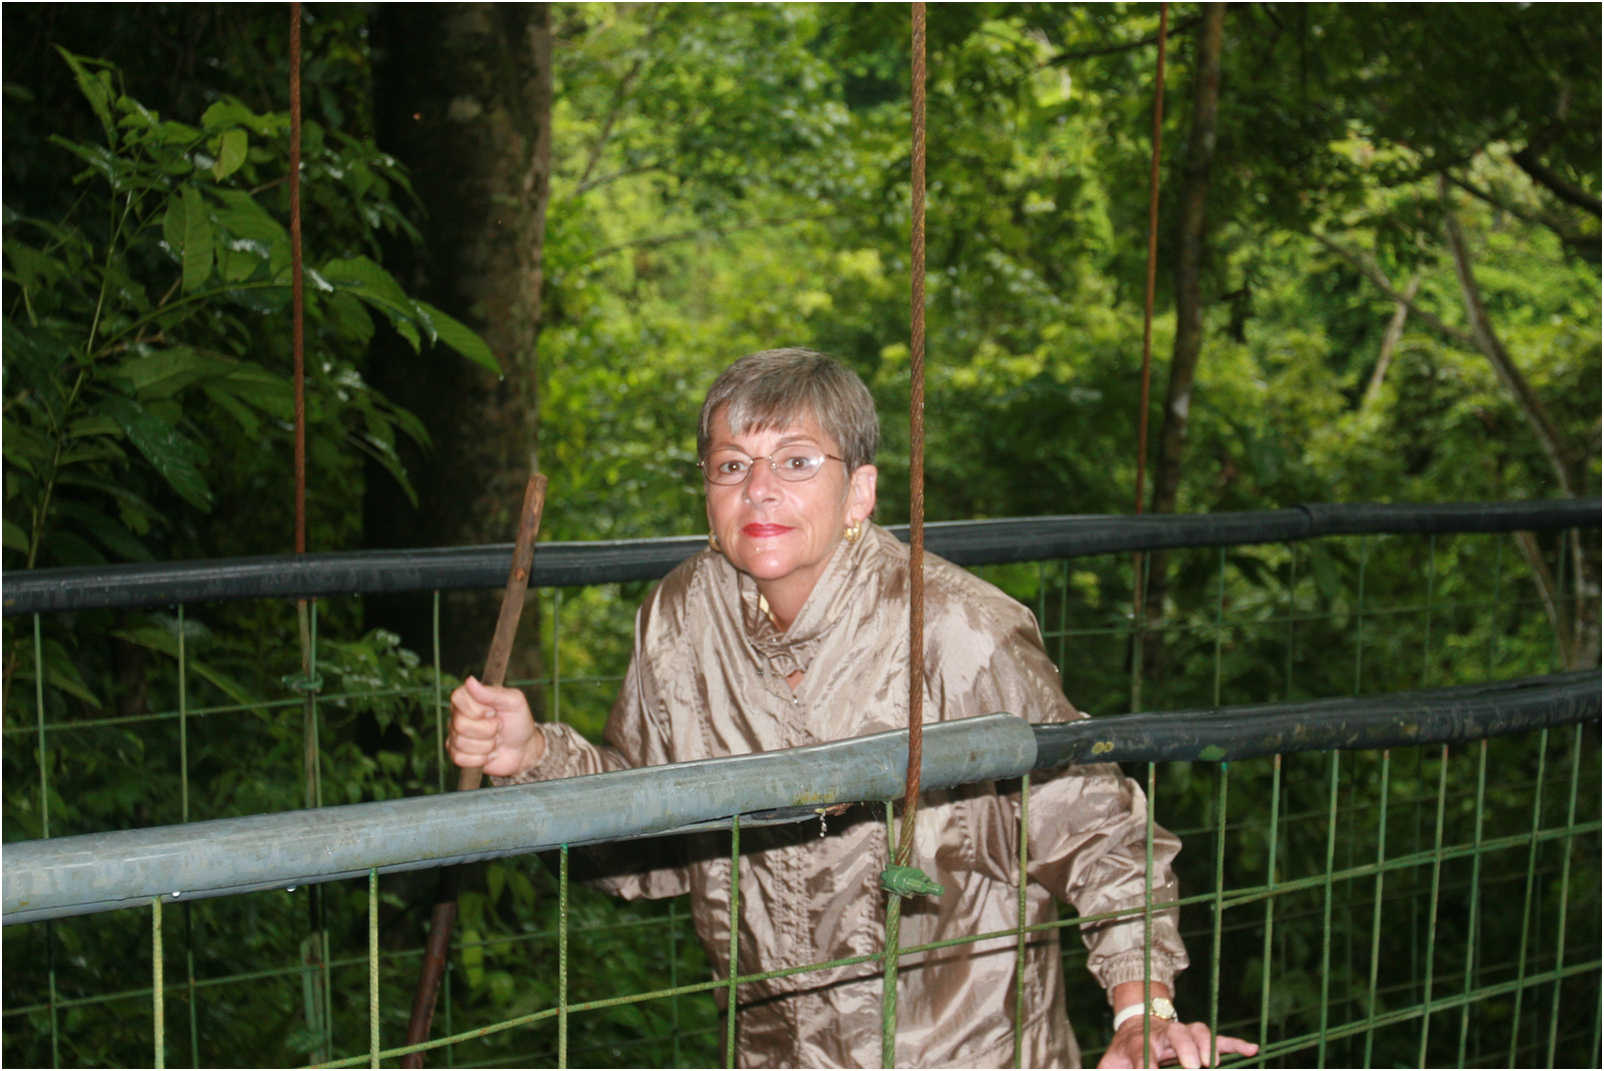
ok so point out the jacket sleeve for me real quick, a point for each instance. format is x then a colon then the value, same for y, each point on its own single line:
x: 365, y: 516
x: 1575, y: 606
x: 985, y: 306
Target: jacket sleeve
x: 652, y: 868
x: 1088, y: 824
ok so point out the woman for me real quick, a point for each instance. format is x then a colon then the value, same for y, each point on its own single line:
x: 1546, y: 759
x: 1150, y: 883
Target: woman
x: 791, y: 629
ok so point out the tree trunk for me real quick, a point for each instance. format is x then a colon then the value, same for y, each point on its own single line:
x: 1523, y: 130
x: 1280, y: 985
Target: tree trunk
x: 1192, y: 252
x: 464, y: 96
x: 1389, y: 343
x: 1577, y: 636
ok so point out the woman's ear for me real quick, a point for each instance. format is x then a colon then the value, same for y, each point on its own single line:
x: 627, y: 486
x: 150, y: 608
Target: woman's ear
x: 860, y: 496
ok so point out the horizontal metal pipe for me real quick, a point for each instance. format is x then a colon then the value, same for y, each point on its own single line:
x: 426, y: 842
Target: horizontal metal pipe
x: 104, y: 871
x: 574, y: 564
x: 1398, y: 719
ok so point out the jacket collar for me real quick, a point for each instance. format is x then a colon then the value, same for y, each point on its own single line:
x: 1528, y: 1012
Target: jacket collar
x: 829, y: 603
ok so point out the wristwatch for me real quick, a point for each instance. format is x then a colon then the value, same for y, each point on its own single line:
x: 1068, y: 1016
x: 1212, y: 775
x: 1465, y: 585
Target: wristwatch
x: 1157, y: 1008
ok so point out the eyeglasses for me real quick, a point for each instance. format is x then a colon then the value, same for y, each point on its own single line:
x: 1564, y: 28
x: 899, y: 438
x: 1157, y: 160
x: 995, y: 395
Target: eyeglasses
x: 793, y: 464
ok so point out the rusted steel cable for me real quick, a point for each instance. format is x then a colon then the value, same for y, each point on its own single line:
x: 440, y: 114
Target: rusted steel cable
x: 1138, y: 560
x: 916, y: 452
x: 297, y: 297
x: 314, y: 947
x: 1152, y: 254
x: 444, y: 917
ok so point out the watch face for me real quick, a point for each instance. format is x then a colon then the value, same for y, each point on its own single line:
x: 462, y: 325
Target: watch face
x: 1162, y: 1008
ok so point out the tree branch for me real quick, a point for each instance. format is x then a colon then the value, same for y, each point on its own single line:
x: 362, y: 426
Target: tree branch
x: 1389, y: 342
x: 613, y: 176
x: 1063, y: 59
x: 1551, y: 180
x: 1488, y: 342
x: 1364, y: 266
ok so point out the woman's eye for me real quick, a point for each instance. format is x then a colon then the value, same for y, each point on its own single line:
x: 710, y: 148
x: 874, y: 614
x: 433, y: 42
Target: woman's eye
x: 731, y: 467
x: 797, y: 462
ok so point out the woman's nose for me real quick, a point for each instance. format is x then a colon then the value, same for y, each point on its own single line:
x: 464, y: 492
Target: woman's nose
x: 762, y: 485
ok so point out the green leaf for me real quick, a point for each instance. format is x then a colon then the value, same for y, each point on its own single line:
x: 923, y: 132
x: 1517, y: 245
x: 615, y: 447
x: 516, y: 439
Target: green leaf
x: 14, y: 537
x: 174, y: 455
x: 31, y: 268
x: 197, y: 241
x: 96, y: 87
x: 230, y: 153
x: 164, y: 372
x: 165, y: 641
x: 459, y: 337
x: 473, y: 957
x: 93, y: 424
x: 60, y: 672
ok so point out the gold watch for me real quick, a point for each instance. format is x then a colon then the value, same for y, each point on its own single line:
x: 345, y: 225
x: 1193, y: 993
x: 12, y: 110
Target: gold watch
x: 1157, y: 1008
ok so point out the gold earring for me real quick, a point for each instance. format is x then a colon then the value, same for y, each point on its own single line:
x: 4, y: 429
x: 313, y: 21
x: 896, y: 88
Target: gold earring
x: 712, y: 542
x: 852, y: 531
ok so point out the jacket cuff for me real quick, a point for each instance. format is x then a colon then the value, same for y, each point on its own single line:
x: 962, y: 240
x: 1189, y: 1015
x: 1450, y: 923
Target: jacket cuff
x: 1130, y: 966
x: 557, y: 756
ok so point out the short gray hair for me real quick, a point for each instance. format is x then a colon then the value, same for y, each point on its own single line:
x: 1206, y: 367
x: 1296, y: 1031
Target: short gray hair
x: 777, y: 388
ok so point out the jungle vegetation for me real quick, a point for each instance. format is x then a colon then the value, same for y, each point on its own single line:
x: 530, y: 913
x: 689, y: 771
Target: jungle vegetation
x: 533, y: 233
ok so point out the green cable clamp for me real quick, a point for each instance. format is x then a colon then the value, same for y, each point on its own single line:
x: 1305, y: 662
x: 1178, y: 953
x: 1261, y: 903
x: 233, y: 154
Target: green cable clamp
x: 909, y: 881
x: 309, y: 685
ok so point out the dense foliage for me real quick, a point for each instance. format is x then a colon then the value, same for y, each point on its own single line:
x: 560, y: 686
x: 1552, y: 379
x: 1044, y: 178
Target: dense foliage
x: 726, y: 178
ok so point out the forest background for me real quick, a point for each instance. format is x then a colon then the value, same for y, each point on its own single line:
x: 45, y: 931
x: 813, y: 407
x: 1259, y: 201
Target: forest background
x: 536, y: 232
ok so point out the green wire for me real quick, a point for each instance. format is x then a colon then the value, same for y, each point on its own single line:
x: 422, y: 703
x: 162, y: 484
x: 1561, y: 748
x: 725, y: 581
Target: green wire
x: 44, y: 825
x: 562, y: 959
x: 1375, y: 912
x: 373, y: 966
x: 1564, y: 892
x: 1273, y: 835
x: 1474, y: 921
x: 1022, y: 918
x: 1431, y: 917
x: 735, y: 938
x: 158, y: 1004
x: 1219, y: 897
x: 1526, y: 902
x: 891, y: 957
x: 1325, y: 924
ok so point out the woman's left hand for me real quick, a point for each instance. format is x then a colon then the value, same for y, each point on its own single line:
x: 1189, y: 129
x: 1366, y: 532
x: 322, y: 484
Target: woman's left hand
x: 1171, y: 1041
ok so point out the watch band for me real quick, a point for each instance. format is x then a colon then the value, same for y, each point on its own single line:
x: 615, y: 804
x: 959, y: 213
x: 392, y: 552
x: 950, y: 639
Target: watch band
x: 1157, y: 1008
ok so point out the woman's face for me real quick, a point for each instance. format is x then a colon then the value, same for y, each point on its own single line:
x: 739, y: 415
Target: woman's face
x: 782, y: 533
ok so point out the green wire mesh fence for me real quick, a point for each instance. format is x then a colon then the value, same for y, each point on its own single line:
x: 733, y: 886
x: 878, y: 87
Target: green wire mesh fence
x: 1423, y: 905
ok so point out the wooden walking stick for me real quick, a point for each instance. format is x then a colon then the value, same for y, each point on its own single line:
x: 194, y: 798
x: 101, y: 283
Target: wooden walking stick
x: 445, y: 905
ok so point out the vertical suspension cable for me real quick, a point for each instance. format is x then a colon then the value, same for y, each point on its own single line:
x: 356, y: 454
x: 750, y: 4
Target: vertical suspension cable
x: 903, y: 848
x: 916, y: 452
x: 297, y: 296
x: 313, y: 953
x: 1138, y: 559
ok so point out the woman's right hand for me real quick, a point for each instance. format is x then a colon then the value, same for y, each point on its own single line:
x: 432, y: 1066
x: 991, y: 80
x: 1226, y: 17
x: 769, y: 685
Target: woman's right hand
x: 493, y: 730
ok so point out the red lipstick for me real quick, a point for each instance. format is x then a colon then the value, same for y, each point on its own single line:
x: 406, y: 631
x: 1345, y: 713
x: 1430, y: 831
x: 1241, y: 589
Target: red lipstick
x: 762, y: 531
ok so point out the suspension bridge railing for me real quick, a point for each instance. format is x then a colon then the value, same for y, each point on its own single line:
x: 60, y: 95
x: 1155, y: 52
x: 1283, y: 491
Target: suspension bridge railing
x: 1366, y: 901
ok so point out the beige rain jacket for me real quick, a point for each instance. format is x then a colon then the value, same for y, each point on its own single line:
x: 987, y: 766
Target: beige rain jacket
x: 708, y: 678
